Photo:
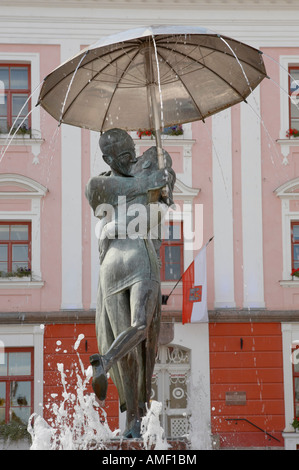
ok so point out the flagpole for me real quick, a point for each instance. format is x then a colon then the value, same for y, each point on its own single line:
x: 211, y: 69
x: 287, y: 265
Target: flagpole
x: 166, y: 297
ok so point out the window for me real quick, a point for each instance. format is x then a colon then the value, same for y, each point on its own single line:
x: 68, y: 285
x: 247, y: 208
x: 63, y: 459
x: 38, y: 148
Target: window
x: 295, y: 245
x: 294, y: 102
x: 16, y: 385
x: 296, y: 382
x: 171, y: 253
x: 14, y: 93
x: 15, y: 247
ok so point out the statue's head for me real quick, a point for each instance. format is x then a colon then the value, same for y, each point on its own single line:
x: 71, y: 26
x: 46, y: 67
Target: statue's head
x: 118, y: 150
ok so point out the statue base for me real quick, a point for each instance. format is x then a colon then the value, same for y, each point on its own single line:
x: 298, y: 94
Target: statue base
x: 137, y: 444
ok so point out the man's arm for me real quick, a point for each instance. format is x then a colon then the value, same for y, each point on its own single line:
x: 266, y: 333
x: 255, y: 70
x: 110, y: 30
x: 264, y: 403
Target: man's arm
x: 107, y: 189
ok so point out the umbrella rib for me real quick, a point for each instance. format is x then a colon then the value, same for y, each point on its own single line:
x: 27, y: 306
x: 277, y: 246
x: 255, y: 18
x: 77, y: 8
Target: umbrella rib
x: 185, y: 86
x: 84, y: 65
x: 217, y: 50
x: 208, y: 68
x: 85, y: 86
x: 116, y: 87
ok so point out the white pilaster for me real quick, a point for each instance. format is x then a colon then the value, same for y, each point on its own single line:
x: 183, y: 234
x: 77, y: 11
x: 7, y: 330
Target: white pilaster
x: 71, y: 206
x: 223, y: 210
x: 252, y: 203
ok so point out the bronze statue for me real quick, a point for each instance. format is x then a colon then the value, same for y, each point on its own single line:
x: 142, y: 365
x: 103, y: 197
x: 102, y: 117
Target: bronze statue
x: 129, y: 294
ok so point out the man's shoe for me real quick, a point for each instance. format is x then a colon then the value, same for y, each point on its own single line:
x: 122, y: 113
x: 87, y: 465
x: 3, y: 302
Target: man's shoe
x: 99, y: 377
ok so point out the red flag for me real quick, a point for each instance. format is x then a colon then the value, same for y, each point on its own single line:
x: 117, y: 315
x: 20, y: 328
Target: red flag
x: 195, y: 290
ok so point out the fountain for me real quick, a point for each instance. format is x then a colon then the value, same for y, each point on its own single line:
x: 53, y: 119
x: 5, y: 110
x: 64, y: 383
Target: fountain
x: 87, y: 430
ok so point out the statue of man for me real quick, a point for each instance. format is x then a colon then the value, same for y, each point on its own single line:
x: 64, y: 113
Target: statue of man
x: 129, y: 294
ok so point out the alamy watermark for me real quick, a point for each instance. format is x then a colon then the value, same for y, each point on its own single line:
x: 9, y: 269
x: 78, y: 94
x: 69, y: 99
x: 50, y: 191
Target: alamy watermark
x: 152, y: 221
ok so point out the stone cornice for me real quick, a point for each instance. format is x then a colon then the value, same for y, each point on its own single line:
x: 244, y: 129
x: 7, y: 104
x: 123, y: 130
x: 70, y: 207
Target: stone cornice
x: 150, y: 4
x: 215, y: 316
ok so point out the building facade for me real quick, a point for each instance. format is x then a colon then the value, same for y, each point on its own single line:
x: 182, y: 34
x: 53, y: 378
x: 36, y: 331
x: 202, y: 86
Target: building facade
x: 237, y: 180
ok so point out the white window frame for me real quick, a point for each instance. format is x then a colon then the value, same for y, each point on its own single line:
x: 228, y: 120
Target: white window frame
x: 17, y: 336
x: 287, y: 192
x: 290, y: 337
x: 29, y: 189
x: 285, y: 61
x: 32, y: 58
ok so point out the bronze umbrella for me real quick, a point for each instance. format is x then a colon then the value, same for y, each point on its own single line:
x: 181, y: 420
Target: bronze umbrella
x: 152, y: 77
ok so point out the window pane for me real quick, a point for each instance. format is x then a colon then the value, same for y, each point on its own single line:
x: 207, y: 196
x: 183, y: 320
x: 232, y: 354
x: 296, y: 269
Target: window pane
x: 174, y: 232
x: 4, y: 267
x: 4, y: 232
x: 20, y: 401
x: 296, y: 232
x: 173, y: 254
x: 3, y: 113
x: 19, y: 78
x: 4, y: 77
x: 296, y: 252
x: 3, y: 365
x: 3, y: 252
x: 172, y: 272
x: 294, y: 81
x: 3, y: 125
x: 19, y: 253
x: 19, y: 363
x: 295, y: 111
x: 297, y: 395
x: 2, y: 401
x: 18, y: 101
x: 20, y: 393
x: 3, y: 105
x: 19, y: 232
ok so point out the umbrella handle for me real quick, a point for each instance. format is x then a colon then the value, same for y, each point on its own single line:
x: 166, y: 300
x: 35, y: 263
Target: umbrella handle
x: 156, y: 117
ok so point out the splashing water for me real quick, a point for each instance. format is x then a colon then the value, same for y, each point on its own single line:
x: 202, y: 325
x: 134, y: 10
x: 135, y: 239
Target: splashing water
x: 200, y: 427
x: 10, y: 136
x: 79, y: 422
x: 69, y: 87
x: 151, y: 430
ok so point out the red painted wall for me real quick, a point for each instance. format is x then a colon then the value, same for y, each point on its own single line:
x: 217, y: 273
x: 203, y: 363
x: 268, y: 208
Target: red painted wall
x: 64, y: 352
x: 255, y: 369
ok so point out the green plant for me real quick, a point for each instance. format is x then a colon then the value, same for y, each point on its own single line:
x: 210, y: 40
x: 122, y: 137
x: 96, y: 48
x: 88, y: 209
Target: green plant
x: 20, y: 272
x: 295, y: 272
x: 295, y: 423
x: 23, y: 130
x: 14, y: 430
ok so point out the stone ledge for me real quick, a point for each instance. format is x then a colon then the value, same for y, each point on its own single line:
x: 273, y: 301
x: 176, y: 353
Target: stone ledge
x: 137, y: 444
x: 215, y: 316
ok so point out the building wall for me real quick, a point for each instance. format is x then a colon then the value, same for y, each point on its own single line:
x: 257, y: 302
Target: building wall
x: 247, y: 358
x: 236, y: 166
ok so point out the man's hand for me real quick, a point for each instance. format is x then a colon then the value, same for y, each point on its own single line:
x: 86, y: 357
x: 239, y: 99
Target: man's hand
x: 157, y: 179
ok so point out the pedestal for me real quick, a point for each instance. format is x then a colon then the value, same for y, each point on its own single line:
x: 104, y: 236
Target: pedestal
x: 137, y: 444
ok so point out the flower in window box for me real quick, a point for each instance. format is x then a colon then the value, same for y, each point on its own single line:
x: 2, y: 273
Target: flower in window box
x: 23, y: 130
x: 141, y: 133
x: 292, y: 133
x: 173, y: 130
x: 295, y: 424
x: 20, y: 272
x: 295, y: 272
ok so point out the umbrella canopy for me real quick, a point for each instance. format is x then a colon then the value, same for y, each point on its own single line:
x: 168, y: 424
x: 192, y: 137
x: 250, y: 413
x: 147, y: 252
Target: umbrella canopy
x: 107, y: 83
x: 151, y: 77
